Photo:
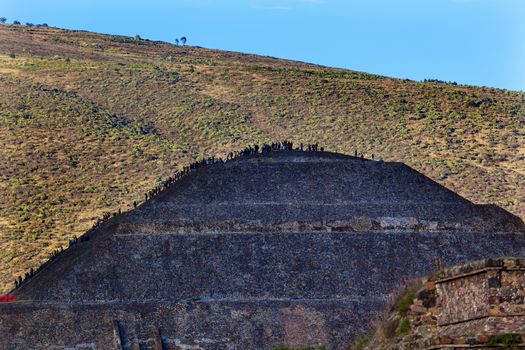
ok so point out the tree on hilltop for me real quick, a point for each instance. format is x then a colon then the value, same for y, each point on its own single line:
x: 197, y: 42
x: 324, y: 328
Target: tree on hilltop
x: 183, y: 40
x: 177, y: 42
x: 3, y: 19
x: 16, y: 22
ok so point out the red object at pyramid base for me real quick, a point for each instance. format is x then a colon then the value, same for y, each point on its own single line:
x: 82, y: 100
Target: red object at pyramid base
x: 7, y: 298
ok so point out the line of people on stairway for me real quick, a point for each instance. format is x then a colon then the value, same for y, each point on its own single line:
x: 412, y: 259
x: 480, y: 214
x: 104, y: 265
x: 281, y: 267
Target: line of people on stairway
x: 264, y: 148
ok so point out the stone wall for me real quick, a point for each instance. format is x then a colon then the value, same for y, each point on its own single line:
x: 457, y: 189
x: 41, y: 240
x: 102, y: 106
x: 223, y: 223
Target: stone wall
x: 479, y: 305
x: 478, y: 290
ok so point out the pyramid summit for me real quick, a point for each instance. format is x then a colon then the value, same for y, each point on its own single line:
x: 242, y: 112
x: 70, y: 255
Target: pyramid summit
x: 281, y: 248
x: 309, y: 187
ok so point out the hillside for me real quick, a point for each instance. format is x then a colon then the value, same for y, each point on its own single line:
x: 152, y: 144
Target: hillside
x: 90, y: 122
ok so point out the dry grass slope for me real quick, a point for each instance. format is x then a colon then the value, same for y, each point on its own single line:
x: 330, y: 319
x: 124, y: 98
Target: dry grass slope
x: 89, y: 122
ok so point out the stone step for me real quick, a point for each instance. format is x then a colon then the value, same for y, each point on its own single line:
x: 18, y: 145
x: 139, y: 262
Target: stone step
x: 306, y: 265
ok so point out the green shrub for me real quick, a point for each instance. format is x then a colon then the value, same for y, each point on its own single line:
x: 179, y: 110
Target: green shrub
x: 511, y: 339
x: 508, y: 340
x: 127, y: 40
x: 403, y: 305
x: 56, y: 39
x: 403, y: 329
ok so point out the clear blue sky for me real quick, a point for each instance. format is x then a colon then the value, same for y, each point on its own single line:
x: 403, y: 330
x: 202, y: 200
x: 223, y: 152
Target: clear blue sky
x: 478, y: 42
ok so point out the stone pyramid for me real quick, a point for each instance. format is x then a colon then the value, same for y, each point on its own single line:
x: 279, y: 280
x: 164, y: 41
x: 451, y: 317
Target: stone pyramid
x: 285, y: 248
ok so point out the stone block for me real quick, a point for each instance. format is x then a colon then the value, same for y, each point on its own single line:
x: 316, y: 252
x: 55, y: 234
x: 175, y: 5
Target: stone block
x: 482, y: 339
x: 494, y: 299
x: 415, y: 309
x: 494, y: 282
x: 430, y: 285
x: 510, y: 263
x: 446, y: 340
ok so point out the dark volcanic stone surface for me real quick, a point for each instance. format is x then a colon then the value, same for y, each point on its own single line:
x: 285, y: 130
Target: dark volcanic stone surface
x: 263, y: 265
x: 296, y: 186
x: 290, y: 248
x: 184, y: 325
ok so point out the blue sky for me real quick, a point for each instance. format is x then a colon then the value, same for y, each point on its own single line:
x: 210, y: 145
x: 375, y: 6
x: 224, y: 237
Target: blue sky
x: 477, y: 42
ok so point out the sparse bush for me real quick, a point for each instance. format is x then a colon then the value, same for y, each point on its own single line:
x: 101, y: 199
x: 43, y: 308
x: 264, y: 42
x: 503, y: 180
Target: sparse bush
x: 56, y: 39
x: 439, y: 81
x: 361, y: 342
x: 12, y: 55
x: 511, y: 339
x: 388, y: 329
x: 137, y: 39
x: 403, y: 329
x: 508, y: 340
x: 124, y: 40
x: 390, y: 323
x: 403, y: 305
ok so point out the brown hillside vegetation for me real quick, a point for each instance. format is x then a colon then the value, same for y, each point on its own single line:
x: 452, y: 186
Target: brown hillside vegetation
x: 90, y: 122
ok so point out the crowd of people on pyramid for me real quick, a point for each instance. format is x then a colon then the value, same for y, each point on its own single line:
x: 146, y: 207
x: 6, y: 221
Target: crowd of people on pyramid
x: 52, y: 256
x: 264, y: 148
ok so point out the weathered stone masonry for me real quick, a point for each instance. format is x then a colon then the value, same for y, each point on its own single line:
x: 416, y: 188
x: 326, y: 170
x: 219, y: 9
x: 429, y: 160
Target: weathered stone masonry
x: 480, y: 304
x: 484, y: 289
x: 280, y: 249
